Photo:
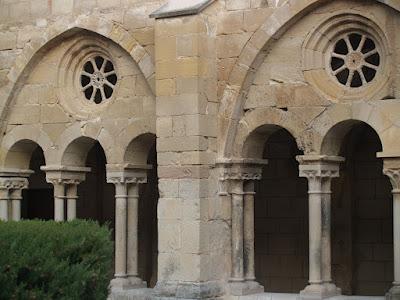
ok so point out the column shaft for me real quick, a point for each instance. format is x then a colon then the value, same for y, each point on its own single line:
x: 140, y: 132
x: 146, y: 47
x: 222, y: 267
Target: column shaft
x: 4, y: 197
x: 249, y: 262
x: 120, y: 229
x: 396, y: 236
x: 59, y: 195
x: 72, y: 196
x: 132, y: 233
x: 16, y: 197
x: 237, y: 231
x: 315, y: 230
x: 326, y: 232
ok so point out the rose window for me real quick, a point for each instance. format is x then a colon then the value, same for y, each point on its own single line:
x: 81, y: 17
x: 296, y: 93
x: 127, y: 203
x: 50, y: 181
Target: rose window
x: 355, y: 60
x: 98, y: 79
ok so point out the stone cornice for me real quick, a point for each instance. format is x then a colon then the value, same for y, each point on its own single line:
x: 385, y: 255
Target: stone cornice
x: 175, y: 8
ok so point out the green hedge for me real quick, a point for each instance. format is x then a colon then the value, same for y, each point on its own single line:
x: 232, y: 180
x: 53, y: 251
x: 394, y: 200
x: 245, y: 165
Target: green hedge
x: 51, y: 260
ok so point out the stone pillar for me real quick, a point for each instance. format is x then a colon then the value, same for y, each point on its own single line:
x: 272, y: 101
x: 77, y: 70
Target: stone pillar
x: 319, y: 170
x: 72, y: 197
x: 59, y: 196
x: 126, y: 179
x: 241, y: 174
x: 133, y: 233
x: 237, y: 231
x: 65, y: 180
x: 4, y: 198
x: 391, y: 168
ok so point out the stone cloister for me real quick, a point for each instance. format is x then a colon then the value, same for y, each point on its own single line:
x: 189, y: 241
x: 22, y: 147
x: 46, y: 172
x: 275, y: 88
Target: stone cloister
x: 239, y: 149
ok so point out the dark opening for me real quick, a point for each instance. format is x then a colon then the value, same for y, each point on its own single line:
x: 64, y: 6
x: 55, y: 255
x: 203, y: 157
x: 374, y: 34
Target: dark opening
x: 148, y: 230
x: 362, y: 243
x: 281, y: 219
x: 96, y: 197
x: 341, y: 47
x: 37, y: 202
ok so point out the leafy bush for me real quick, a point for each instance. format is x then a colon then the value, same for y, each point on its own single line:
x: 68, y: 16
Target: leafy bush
x: 51, y: 260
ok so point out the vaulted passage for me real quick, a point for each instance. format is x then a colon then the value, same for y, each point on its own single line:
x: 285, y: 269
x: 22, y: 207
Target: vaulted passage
x: 37, y: 202
x: 362, y: 241
x: 96, y: 197
x: 148, y: 231
x: 281, y: 218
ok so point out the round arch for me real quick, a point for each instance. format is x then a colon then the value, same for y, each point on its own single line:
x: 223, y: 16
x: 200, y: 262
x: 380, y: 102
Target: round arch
x: 18, y: 145
x: 255, y: 128
x: 252, y: 56
x: 75, y: 142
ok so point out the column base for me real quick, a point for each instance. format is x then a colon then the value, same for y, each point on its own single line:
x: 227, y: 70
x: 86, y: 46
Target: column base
x: 136, y: 282
x: 126, y: 283
x: 188, y: 290
x: 243, y: 288
x: 393, y: 293
x: 319, y: 291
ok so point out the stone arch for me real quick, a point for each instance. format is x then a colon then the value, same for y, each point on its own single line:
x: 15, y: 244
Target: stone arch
x: 18, y: 145
x: 334, y: 138
x: 138, y: 149
x: 255, y: 128
x: 75, y: 142
x: 333, y: 125
x: 252, y: 56
x: 65, y: 27
x: 136, y: 141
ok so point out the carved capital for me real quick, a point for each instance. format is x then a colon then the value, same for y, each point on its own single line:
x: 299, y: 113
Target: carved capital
x: 394, y: 176
x: 65, y: 175
x: 13, y: 183
x: 319, y: 167
x: 240, y: 169
x: 127, y: 173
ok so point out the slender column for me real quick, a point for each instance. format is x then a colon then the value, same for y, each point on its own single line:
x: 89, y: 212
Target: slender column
x: 249, y: 262
x: 392, y: 170
x: 4, y: 198
x: 319, y: 170
x: 59, y: 196
x: 120, y: 229
x: 16, y: 197
x: 132, y: 236
x: 72, y: 197
x: 237, y: 186
x: 237, y: 231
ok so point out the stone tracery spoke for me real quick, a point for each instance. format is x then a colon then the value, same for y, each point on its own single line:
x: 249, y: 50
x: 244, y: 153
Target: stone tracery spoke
x: 339, y: 70
x: 371, y: 66
x: 361, y: 44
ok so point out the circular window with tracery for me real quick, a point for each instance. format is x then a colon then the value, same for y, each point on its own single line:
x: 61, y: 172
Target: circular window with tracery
x: 355, y: 60
x: 98, y: 79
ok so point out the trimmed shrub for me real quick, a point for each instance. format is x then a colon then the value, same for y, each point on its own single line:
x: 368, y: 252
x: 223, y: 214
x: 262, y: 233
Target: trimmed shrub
x: 52, y: 260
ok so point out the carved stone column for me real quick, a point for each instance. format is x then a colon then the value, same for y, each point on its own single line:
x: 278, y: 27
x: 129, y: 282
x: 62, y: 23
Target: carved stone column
x: 126, y: 179
x: 12, y: 182
x: 319, y: 170
x: 391, y: 168
x: 65, y: 180
x: 239, y: 175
